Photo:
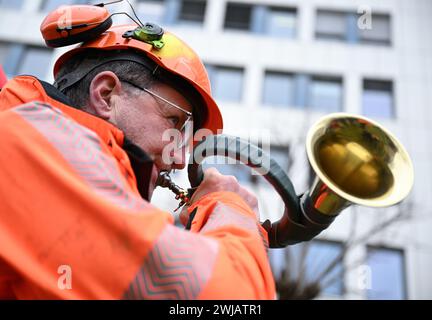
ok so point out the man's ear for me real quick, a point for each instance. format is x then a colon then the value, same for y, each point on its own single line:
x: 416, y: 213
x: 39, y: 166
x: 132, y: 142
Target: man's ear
x: 103, y: 88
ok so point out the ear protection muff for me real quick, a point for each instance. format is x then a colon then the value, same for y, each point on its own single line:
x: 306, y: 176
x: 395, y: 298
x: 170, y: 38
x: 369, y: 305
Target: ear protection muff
x: 73, y: 24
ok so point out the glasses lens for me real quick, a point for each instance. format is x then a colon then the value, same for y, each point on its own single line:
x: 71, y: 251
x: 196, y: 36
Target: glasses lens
x: 186, y: 130
x: 186, y: 133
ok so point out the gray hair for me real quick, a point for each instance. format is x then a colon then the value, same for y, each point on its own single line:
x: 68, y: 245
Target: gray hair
x: 84, y: 66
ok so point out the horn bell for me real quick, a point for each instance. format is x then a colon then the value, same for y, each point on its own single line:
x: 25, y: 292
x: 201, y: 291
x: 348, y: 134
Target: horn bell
x: 356, y: 161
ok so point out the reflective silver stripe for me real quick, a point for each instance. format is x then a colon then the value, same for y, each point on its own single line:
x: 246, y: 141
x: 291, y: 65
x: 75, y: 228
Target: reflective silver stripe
x: 81, y: 148
x: 224, y: 215
x: 178, y: 267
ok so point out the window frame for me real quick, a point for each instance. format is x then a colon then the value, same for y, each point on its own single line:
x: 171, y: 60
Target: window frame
x: 182, y: 21
x: 212, y: 71
x: 320, y: 35
x: 286, y: 74
x: 391, y: 83
x: 404, y: 275
x: 250, y: 8
x: 296, y: 251
x: 352, y: 34
x: 302, y: 86
x: 258, y: 18
x: 4, y: 5
x: 385, y: 42
x: 17, y: 52
x: 329, y: 79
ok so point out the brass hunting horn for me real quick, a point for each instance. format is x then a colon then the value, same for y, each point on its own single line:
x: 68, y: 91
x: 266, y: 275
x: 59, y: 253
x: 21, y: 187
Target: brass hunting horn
x: 356, y: 161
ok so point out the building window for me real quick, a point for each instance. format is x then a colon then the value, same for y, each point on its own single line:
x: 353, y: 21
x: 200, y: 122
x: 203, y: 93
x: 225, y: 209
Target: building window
x: 325, y: 94
x: 281, y: 155
x: 192, y: 11
x: 242, y: 172
x: 279, y: 89
x: 165, y: 12
x: 226, y: 82
x: 35, y: 61
x: 387, y: 273
x: 151, y: 10
x: 238, y: 170
x: 50, y: 5
x: 331, y: 25
x: 311, y: 175
x: 238, y: 16
x: 379, y: 33
x: 307, y: 263
x: 343, y: 26
x: 260, y: 19
x: 281, y: 22
x: 18, y: 59
x: 11, y: 4
x: 320, y: 93
x: 378, y: 99
x: 4, y: 52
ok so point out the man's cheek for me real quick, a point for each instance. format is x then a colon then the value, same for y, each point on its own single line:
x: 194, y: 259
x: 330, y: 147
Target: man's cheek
x: 170, y: 153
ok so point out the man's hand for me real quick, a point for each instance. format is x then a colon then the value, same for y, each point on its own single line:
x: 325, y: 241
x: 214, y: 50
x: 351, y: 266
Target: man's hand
x: 213, y: 182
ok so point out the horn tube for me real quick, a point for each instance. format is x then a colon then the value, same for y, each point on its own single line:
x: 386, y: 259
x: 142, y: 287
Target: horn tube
x: 356, y: 161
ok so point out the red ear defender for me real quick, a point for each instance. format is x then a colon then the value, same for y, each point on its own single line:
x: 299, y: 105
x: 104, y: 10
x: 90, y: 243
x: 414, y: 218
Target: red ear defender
x: 74, y: 24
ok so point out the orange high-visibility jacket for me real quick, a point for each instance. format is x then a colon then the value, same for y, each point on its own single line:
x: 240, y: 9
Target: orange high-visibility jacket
x: 74, y: 226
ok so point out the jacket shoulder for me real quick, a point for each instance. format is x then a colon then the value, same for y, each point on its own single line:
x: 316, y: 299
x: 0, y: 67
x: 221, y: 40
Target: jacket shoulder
x: 21, y: 90
x: 30, y: 129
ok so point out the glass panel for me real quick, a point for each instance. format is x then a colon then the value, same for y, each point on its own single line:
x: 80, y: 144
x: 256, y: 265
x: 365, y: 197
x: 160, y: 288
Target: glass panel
x: 11, y: 4
x: 278, y: 89
x: 281, y: 155
x: 387, y: 272
x: 50, y: 5
x: 331, y: 25
x: 192, y: 11
x: 238, y: 16
x: 227, y: 83
x: 4, y: 52
x: 278, y: 263
x: 36, y: 62
x: 325, y: 94
x: 151, y: 11
x: 378, y: 99
x: 320, y: 255
x: 317, y: 257
x: 281, y: 22
x: 240, y: 171
x: 380, y: 31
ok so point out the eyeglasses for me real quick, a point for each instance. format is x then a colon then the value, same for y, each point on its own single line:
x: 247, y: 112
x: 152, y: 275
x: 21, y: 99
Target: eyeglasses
x: 186, y: 129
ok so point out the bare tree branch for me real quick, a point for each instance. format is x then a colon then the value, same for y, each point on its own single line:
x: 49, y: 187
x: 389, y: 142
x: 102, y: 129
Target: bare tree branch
x: 338, y: 275
x: 301, y: 279
x: 401, y: 215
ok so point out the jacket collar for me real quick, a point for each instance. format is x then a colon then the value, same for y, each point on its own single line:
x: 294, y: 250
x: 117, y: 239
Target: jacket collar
x: 24, y: 89
x: 102, y: 128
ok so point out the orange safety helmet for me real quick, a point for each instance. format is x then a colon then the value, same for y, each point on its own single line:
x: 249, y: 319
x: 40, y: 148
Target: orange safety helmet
x: 93, y: 24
